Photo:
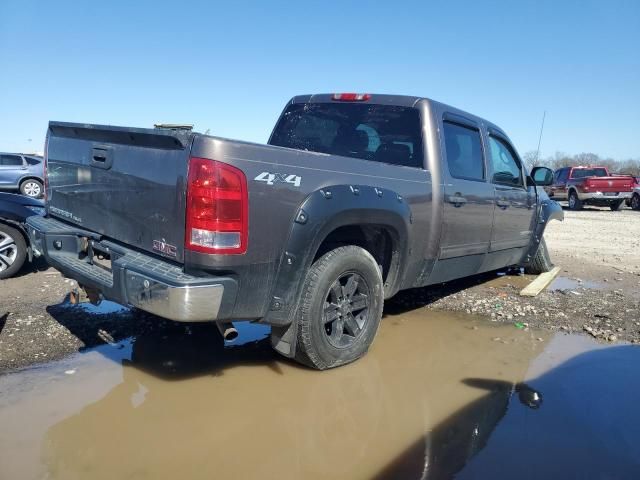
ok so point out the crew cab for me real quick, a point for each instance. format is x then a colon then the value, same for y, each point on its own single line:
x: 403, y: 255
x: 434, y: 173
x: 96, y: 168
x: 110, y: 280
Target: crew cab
x: 354, y: 198
x: 590, y: 186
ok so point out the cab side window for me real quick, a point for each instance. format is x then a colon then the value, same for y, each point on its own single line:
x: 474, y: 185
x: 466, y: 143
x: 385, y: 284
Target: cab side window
x: 464, y: 151
x: 505, y: 165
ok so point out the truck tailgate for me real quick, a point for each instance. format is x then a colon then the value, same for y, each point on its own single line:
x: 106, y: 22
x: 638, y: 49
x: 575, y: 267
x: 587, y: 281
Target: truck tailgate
x: 610, y: 184
x: 127, y: 184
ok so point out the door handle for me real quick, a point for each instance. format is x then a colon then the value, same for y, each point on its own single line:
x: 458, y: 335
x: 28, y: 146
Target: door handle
x: 457, y: 200
x: 502, y: 203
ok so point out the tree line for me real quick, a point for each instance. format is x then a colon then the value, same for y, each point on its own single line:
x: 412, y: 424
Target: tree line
x: 630, y: 166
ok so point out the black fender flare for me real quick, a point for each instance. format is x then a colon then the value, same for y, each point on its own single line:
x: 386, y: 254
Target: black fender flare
x: 548, y: 210
x: 322, y: 212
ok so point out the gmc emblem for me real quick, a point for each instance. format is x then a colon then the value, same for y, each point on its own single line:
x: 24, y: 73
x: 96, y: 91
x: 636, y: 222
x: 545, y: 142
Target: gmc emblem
x: 165, y: 248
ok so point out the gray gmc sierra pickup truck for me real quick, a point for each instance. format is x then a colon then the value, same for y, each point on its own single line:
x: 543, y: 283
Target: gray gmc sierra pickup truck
x: 354, y: 198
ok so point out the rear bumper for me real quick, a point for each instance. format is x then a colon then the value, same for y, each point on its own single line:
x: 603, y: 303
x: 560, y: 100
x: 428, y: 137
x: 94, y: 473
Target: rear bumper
x: 603, y: 196
x: 134, y: 279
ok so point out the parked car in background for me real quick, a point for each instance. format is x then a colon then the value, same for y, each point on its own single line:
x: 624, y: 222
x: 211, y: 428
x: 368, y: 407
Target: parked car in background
x: 24, y: 173
x: 634, y: 201
x: 14, y: 241
x: 590, y: 186
x: 355, y: 198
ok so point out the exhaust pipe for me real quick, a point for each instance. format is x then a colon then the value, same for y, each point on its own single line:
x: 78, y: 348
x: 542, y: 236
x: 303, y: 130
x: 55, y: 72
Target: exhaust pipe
x: 227, y: 330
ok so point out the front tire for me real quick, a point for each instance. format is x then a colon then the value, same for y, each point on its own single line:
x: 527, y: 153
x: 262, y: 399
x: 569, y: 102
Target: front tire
x: 13, y: 251
x: 32, y: 188
x: 635, y: 201
x: 574, y: 202
x: 340, y: 308
x: 541, y: 261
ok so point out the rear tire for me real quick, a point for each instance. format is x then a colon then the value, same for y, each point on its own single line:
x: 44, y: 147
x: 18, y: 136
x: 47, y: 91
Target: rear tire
x: 541, y: 261
x: 13, y: 251
x: 615, y: 206
x: 32, y: 188
x: 340, y: 308
x: 635, y: 201
x: 574, y: 202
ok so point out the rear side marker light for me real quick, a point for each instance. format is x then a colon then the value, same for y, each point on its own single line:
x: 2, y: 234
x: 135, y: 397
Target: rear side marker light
x: 217, y: 208
x: 351, y: 97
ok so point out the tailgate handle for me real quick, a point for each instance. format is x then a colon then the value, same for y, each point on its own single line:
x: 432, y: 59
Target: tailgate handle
x: 102, y: 157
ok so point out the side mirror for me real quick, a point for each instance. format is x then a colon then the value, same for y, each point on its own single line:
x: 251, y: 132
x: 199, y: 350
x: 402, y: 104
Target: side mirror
x: 543, y: 176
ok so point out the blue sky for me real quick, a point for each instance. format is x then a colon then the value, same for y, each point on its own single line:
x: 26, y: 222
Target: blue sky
x: 230, y: 66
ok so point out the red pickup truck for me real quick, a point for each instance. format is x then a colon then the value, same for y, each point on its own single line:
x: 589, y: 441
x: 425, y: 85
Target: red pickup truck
x: 590, y: 186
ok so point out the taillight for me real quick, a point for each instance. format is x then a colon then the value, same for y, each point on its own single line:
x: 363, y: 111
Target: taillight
x: 351, y: 97
x: 217, y: 208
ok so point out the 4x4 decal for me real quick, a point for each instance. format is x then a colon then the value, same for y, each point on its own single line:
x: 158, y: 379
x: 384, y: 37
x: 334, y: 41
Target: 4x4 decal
x: 271, y: 178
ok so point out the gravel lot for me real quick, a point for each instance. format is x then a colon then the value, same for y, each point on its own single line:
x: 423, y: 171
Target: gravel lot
x: 598, y: 294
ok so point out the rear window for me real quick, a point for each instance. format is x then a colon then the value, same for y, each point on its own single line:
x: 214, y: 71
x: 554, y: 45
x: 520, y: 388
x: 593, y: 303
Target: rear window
x: 381, y: 133
x: 588, y: 172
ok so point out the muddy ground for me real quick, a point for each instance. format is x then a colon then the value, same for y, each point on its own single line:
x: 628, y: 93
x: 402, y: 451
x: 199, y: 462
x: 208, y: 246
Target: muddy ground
x: 598, y: 294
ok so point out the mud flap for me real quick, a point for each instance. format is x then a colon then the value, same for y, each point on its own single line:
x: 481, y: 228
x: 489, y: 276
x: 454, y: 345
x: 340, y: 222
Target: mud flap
x: 283, y: 339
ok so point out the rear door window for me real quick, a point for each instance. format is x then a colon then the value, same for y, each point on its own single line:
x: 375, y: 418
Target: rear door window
x: 464, y: 151
x: 10, y: 161
x: 381, y: 133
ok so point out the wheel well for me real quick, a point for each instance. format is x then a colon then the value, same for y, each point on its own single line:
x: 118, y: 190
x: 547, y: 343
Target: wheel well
x: 379, y: 240
x: 22, y: 180
x: 18, y: 227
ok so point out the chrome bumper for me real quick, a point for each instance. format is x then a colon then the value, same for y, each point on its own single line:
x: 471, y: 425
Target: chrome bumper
x: 184, y: 304
x: 603, y: 196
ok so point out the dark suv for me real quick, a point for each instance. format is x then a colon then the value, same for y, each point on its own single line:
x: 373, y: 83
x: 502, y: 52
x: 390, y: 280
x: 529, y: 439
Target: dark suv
x: 22, y: 172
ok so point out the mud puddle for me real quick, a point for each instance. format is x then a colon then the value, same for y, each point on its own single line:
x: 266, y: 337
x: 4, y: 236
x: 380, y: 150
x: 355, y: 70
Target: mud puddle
x: 566, y: 283
x: 438, y: 395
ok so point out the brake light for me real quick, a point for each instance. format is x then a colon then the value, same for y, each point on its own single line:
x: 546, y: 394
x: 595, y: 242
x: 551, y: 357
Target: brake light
x: 217, y: 208
x: 351, y: 97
